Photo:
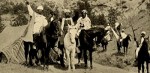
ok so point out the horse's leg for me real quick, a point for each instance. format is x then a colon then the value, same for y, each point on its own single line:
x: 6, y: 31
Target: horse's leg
x: 118, y: 46
x: 147, y: 62
x: 46, y: 55
x: 62, y: 55
x: 72, y: 59
x: 139, y: 66
x: 91, y: 65
x: 85, y: 57
x: 126, y: 50
x: 105, y: 47
x: 79, y: 55
x: 37, y: 59
x: 143, y: 67
x: 68, y: 59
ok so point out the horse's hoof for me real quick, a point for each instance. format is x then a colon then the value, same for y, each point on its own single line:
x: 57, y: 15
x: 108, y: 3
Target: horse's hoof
x: 85, y: 66
x: 73, y: 69
x: 79, y: 64
x: 46, y: 68
x: 91, y: 67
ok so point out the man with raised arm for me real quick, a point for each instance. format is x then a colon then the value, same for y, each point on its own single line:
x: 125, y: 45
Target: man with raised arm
x: 39, y: 22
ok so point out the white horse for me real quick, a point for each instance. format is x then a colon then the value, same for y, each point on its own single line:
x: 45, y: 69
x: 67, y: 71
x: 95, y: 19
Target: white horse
x: 70, y: 46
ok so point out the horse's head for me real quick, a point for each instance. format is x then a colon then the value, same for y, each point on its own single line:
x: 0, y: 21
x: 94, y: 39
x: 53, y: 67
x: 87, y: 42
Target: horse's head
x: 128, y: 37
x: 100, y: 33
x: 146, y: 39
x: 72, y: 31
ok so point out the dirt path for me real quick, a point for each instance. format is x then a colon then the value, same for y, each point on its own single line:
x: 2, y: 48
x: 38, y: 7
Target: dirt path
x: 18, y: 68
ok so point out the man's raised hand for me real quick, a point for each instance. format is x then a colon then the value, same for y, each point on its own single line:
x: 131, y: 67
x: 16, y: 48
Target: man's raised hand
x: 27, y: 2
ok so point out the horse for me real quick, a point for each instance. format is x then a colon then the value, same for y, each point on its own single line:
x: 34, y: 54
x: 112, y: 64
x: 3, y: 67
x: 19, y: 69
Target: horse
x: 86, y: 42
x: 104, y: 43
x: 143, y: 56
x: 46, y: 41
x: 124, y: 44
x: 70, y: 46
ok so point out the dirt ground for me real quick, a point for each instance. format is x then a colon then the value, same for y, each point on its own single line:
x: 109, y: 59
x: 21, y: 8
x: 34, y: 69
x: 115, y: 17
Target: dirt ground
x: 56, y: 68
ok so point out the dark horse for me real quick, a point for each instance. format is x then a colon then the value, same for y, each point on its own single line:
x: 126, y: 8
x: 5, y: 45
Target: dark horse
x: 86, y: 42
x: 143, y: 56
x: 124, y: 44
x: 46, y: 41
x: 103, y: 42
x: 51, y: 37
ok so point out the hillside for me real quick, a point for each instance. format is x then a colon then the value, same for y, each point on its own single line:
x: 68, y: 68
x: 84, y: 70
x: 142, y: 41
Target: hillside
x: 132, y: 12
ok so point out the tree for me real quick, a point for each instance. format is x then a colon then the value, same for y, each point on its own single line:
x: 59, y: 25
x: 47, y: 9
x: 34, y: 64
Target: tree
x: 112, y: 16
x: 102, y: 19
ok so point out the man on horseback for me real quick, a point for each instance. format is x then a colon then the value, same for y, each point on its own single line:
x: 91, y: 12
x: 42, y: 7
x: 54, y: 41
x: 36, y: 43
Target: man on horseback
x: 142, y: 54
x: 143, y: 33
x: 66, y: 22
x: 108, y: 34
x: 118, y: 27
x: 83, y: 22
x: 123, y: 35
x: 39, y: 23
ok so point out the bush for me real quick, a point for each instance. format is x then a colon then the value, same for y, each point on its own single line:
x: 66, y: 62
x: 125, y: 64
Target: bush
x: 148, y: 7
x: 6, y: 7
x: 19, y: 8
x: 19, y: 20
x: 112, y: 16
x: 2, y: 26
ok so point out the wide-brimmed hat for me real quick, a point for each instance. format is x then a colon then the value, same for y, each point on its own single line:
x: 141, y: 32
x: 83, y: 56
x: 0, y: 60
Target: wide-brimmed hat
x: 40, y: 7
x: 123, y: 30
x: 143, y: 33
x: 84, y: 11
x: 67, y: 11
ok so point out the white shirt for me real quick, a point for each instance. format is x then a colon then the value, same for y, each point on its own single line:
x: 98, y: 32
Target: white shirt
x: 86, y: 22
x: 107, y: 27
x: 138, y: 49
x: 63, y: 22
x: 40, y: 20
x: 123, y: 35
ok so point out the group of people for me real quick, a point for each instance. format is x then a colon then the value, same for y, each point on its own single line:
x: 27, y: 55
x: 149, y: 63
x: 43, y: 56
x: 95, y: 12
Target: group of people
x: 83, y: 23
x: 31, y: 44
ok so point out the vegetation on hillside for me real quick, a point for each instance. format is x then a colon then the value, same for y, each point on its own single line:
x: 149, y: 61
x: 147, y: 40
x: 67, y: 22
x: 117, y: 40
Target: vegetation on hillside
x: 2, y: 26
x: 20, y: 10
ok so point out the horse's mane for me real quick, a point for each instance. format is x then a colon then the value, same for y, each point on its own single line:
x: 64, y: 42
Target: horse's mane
x: 53, y: 28
x: 87, y: 35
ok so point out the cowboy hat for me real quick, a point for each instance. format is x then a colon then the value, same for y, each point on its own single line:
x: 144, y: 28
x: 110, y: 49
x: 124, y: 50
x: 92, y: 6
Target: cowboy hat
x: 40, y: 7
x: 143, y: 33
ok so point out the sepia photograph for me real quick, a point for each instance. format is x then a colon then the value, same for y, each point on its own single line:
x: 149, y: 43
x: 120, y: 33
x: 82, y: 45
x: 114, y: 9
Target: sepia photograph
x: 74, y: 36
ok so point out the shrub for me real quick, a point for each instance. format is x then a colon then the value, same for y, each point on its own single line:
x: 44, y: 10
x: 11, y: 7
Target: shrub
x: 19, y: 8
x: 148, y: 7
x: 19, y: 20
x: 2, y: 26
x: 6, y: 7
x: 112, y: 16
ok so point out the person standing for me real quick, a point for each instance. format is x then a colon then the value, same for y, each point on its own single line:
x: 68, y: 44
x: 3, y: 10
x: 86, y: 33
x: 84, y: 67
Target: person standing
x: 36, y: 28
